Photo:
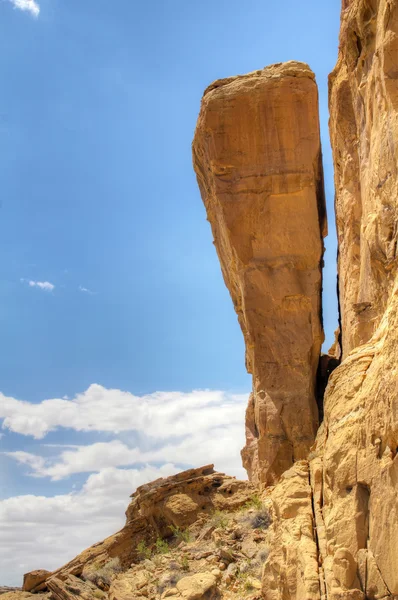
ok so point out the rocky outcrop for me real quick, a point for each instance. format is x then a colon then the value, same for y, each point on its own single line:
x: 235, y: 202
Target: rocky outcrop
x: 363, y: 129
x: 355, y: 468
x: 257, y: 158
x: 327, y: 526
x: 157, y: 511
x: 35, y: 580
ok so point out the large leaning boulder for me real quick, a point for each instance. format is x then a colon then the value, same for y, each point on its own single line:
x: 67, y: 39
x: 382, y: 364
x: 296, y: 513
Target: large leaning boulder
x: 257, y: 158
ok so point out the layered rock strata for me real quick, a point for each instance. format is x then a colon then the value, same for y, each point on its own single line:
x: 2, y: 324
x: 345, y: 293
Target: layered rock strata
x: 355, y: 471
x: 363, y: 130
x: 156, y: 510
x: 257, y: 158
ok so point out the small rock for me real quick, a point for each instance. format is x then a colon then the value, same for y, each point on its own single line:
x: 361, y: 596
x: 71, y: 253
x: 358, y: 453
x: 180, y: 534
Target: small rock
x: 33, y: 579
x: 225, y: 555
x: 232, y: 569
x: 254, y: 583
x: 196, y: 586
x: 170, y: 592
x: 216, y: 573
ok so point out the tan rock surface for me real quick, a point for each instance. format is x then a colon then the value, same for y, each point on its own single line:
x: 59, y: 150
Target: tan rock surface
x: 175, y: 502
x: 32, y: 581
x: 195, y: 587
x: 291, y: 569
x: 257, y: 158
x: 355, y: 470
x: 364, y: 129
x: 22, y: 596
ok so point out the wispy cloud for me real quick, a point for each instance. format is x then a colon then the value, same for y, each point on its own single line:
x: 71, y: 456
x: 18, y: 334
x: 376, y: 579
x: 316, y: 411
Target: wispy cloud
x: 42, y: 285
x: 30, y: 6
x: 85, y: 290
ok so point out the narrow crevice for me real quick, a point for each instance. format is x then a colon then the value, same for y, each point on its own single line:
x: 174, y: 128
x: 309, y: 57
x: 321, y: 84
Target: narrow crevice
x: 327, y: 364
x: 340, y: 328
x: 315, y: 532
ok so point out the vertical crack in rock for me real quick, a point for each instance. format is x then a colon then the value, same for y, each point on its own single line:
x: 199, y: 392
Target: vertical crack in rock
x: 257, y: 157
x: 355, y: 451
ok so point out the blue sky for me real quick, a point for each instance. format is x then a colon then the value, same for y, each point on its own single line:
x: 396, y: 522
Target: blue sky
x: 99, y: 200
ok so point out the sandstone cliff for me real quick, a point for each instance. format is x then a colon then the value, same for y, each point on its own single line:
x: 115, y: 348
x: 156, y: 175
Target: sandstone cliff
x: 257, y: 157
x: 198, y: 534
x: 351, y: 553
x: 355, y: 473
x: 327, y: 527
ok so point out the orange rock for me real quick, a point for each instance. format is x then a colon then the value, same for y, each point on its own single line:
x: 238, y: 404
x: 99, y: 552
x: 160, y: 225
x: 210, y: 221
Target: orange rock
x: 32, y: 581
x: 257, y: 158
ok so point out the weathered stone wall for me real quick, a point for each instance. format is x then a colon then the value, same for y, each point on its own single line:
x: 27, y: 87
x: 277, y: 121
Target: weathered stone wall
x: 355, y: 472
x: 257, y: 157
x: 363, y: 129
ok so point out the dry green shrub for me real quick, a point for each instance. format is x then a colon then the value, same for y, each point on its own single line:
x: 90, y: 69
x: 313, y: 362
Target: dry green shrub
x: 220, y: 519
x: 182, y: 535
x: 101, y: 575
x: 162, y: 546
x: 143, y: 550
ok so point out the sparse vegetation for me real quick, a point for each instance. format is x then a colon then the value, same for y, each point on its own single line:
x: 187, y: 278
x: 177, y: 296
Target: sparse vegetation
x: 248, y: 586
x: 182, y: 535
x: 255, y: 514
x: 220, y: 519
x: 260, y: 519
x: 162, y: 546
x: 184, y: 563
x: 254, y: 502
x: 102, y: 574
x: 143, y: 550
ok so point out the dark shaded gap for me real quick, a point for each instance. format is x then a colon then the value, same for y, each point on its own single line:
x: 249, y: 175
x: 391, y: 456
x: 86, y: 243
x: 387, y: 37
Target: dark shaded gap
x: 327, y: 364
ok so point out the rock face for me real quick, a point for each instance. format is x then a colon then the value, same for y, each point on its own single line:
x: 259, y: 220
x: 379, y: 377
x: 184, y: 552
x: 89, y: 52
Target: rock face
x: 291, y: 571
x: 156, y: 510
x: 257, y: 158
x: 327, y: 527
x: 364, y: 129
x: 355, y: 471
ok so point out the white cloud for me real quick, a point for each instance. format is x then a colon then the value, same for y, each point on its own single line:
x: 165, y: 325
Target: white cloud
x: 174, y: 429
x: 183, y: 428
x: 27, y: 5
x: 161, y: 414
x: 219, y: 445
x: 85, y: 290
x: 41, y: 532
x: 42, y: 285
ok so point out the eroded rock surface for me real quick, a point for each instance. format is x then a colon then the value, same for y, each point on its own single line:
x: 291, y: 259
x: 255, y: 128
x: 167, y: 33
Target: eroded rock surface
x: 355, y: 470
x: 159, y: 510
x: 257, y: 158
x: 364, y: 129
x: 291, y: 570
